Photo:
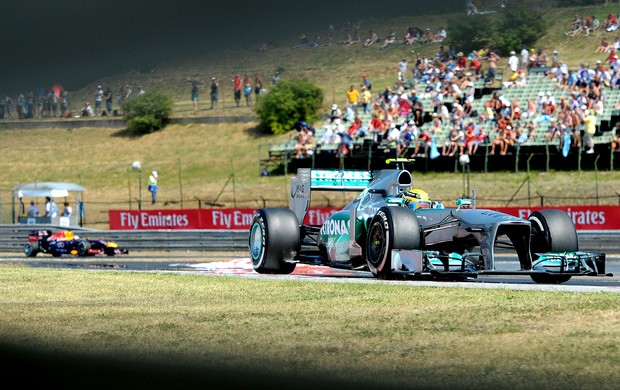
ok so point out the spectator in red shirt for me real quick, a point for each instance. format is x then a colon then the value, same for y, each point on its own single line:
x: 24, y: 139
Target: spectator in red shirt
x: 237, y: 84
x: 376, y: 127
x: 425, y: 139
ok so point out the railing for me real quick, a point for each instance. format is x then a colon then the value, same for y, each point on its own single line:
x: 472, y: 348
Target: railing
x: 13, y: 238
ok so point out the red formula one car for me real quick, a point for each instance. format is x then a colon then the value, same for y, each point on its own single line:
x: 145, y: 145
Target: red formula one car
x: 68, y: 243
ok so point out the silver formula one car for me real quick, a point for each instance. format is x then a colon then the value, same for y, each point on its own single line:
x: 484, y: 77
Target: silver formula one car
x: 392, y: 230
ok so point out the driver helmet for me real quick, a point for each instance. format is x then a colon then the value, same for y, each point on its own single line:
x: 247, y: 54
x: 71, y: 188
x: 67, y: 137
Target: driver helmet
x: 417, y: 199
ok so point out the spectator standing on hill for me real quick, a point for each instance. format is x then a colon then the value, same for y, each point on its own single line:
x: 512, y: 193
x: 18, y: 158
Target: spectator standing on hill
x: 153, y: 186
x: 365, y: 97
x: 258, y: 86
x: 248, y: 85
x: 353, y: 97
x: 555, y: 60
x: 98, y: 99
x: 589, y: 127
x: 513, y: 62
x: 54, y: 104
x: 275, y: 79
x: 9, y: 107
x: 237, y: 87
x: 366, y: 82
x: 64, y: 102
x: 402, y: 71
x: 492, y: 59
x: 214, y: 92
x: 127, y: 92
x: 108, y: 97
x: 524, y: 58
x: 612, y: 59
x: 121, y: 95
x: 195, y: 92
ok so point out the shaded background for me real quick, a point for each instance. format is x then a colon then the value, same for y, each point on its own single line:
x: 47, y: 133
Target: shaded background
x: 75, y: 42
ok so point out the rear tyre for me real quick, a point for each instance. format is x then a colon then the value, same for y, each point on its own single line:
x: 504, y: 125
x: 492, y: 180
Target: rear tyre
x: 31, y: 249
x: 552, y: 231
x: 274, y: 240
x: 83, y: 248
x: 391, y: 228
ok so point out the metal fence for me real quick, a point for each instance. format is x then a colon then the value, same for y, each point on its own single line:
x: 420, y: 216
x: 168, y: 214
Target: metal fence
x: 13, y: 238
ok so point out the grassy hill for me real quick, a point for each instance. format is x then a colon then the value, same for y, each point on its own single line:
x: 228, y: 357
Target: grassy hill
x: 217, y: 164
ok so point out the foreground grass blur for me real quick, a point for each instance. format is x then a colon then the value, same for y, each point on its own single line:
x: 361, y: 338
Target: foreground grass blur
x: 381, y: 334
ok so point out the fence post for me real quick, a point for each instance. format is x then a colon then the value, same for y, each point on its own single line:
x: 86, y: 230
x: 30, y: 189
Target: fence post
x: 542, y: 199
x: 517, y: 150
x: 596, y: 177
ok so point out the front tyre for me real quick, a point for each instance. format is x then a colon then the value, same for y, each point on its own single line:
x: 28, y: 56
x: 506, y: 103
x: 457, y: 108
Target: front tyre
x: 31, y: 249
x: 552, y: 231
x: 391, y: 228
x: 274, y: 240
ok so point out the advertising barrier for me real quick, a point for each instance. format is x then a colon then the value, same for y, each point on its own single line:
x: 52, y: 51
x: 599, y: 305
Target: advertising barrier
x: 584, y: 217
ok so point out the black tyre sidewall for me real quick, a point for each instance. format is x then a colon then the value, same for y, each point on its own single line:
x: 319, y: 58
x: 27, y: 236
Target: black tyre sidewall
x: 552, y: 231
x: 30, y: 250
x: 400, y: 229
x: 83, y: 247
x: 278, y: 231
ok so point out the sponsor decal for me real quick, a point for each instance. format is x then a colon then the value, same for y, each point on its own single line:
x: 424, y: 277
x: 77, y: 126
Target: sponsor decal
x: 335, y: 227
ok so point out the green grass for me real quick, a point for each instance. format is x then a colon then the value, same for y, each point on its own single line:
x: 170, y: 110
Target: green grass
x: 381, y: 334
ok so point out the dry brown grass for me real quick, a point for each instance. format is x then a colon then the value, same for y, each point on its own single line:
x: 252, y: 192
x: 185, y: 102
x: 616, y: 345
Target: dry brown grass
x: 219, y: 164
x: 199, y: 161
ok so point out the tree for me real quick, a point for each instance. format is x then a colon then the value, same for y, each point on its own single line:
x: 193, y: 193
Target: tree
x: 287, y: 103
x: 147, y: 113
x: 514, y: 27
x: 519, y: 26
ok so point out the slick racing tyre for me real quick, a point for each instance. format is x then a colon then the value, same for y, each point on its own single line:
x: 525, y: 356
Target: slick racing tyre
x: 552, y: 231
x: 274, y: 240
x: 391, y: 228
x: 31, y: 249
x: 83, y: 248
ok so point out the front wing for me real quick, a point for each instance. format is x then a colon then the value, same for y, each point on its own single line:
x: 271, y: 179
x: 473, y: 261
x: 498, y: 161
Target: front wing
x: 418, y: 262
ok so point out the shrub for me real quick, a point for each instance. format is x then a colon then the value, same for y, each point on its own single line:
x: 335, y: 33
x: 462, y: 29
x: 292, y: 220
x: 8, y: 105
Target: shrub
x: 287, y: 103
x: 147, y: 113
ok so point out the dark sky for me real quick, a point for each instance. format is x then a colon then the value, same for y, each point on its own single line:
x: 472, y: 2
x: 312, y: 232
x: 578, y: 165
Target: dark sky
x: 75, y: 42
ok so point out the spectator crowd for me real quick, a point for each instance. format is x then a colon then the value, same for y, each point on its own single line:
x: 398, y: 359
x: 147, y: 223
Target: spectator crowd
x: 435, y: 107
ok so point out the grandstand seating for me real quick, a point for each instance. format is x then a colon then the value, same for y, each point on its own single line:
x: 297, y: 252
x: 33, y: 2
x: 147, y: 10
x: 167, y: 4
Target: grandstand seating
x: 366, y: 149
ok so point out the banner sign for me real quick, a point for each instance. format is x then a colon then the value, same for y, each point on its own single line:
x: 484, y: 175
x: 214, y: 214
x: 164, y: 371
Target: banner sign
x: 584, y: 217
x: 223, y: 219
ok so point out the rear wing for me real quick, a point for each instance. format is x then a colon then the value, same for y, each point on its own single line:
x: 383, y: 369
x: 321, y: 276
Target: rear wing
x: 339, y: 180
x: 308, y: 180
